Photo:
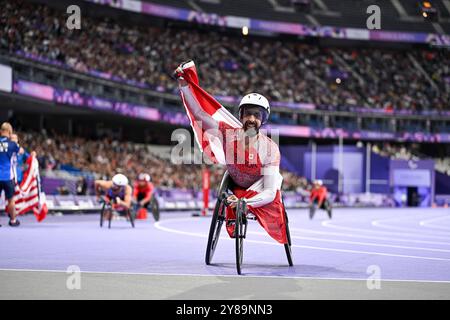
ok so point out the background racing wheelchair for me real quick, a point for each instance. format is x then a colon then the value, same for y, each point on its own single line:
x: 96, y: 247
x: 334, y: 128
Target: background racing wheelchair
x: 109, y: 209
x: 144, y: 196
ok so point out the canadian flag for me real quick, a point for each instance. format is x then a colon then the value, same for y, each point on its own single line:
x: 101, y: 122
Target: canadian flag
x: 28, y: 195
x: 208, y: 143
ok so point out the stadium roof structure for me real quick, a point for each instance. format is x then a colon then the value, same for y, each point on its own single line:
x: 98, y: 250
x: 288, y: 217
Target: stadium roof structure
x: 346, y: 19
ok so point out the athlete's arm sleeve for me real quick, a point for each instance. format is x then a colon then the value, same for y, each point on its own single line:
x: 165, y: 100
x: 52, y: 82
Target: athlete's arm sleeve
x: 272, y: 178
x: 208, y: 122
x: 271, y: 182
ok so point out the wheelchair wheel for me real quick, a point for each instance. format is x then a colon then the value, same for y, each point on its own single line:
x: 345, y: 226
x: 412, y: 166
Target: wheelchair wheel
x: 214, y: 230
x: 287, y: 246
x: 109, y: 219
x: 131, y: 215
x: 312, y: 210
x: 101, y: 215
x: 239, y: 232
x: 155, y: 208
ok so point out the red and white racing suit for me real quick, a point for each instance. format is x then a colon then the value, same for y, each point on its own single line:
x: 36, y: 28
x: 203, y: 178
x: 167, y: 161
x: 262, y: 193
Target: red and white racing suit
x: 253, y: 169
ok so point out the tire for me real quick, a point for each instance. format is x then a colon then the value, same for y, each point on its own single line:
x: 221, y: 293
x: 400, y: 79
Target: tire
x: 110, y: 218
x: 131, y: 214
x: 101, y: 215
x: 312, y: 211
x: 287, y: 246
x: 217, y: 220
x: 155, y: 208
x: 239, y: 234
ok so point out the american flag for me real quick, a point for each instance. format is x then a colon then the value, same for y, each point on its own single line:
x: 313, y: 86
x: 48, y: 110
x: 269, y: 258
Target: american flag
x: 28, y: 195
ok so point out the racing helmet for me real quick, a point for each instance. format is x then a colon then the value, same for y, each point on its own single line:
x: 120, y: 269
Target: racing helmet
x: 144, y: 177
x: 255, y: 99
x: 120, y: 180
x: 319, y: 182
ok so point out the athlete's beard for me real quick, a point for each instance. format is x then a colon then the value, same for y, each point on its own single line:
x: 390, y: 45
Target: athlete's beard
x: 251, y: 131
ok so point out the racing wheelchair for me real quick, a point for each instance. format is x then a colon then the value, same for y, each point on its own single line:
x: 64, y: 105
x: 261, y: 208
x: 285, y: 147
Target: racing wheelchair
x: 153, y: 207
x: 314, y: 206
x: 108, y: 206
x: 241, y: 222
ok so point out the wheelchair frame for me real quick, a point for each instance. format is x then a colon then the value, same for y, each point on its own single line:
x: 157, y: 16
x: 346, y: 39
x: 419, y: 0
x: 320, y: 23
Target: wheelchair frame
x: 241, y: 222
x: 107, y: 206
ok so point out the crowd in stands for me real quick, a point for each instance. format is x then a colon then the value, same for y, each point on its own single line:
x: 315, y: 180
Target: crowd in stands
x: 105, y: 157
x: 395, y: 151
x: 282, y: 70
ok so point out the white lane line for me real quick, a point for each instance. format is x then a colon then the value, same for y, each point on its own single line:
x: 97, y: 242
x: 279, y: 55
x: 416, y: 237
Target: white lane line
x: 381, y: 224
x: 219, y: 276
x: 417, y: 234
x: 353, y: 235
x: 369, y: 244
x: 427, y: 223
x: 159, y: 226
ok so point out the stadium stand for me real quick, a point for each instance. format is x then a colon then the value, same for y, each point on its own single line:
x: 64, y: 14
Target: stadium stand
x: 232, y: 66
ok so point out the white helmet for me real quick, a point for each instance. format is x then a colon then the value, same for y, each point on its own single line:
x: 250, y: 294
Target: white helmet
x: 319, y: 182
x: 144, y: 177
x: 120, y: 180
x: 255, y: 99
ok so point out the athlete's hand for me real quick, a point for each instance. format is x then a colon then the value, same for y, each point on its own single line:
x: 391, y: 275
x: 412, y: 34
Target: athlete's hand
x: 233, y: 201
x: 178, y: 74
x: 182, y: 82
x: 103, y: 199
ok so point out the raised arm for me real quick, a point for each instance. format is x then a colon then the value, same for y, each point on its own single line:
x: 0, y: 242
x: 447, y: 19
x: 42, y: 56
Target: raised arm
x: 208, y: 122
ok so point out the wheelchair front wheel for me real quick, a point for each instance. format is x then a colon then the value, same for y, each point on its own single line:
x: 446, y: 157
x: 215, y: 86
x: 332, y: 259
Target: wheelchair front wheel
x: 239, y: 231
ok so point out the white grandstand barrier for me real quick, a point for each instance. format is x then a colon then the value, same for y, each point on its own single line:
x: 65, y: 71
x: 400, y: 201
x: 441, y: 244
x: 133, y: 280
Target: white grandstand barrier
x: 191, y: 204
x: 72, y: 203
x: 170, y: 205
x: 181, y: 205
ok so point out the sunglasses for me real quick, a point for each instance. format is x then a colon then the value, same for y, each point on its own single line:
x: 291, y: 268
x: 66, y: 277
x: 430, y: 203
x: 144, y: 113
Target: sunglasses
x: 253, y: 112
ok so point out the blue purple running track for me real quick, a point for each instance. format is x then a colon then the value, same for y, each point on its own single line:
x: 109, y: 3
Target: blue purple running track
x: 397, y: 244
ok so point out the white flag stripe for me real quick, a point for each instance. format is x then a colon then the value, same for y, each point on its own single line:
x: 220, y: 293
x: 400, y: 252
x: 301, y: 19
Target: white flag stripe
x: 27, y: 195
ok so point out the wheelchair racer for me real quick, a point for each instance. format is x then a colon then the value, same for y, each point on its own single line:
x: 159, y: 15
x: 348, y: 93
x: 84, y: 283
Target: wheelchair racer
x: 318, y: 196
x: 143, y: 192
x: 252, y: 158
x: 117, y: 193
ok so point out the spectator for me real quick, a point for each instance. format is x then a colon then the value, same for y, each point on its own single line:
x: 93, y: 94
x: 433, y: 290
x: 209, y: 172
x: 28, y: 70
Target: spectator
x: 283, y: 71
